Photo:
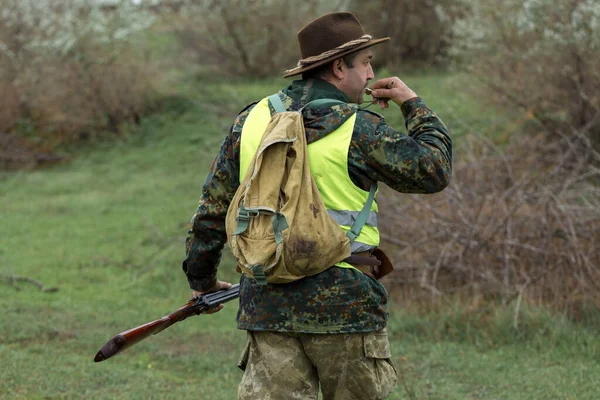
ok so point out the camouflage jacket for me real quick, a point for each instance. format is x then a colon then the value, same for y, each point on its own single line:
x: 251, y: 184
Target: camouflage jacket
x: 337, y: 300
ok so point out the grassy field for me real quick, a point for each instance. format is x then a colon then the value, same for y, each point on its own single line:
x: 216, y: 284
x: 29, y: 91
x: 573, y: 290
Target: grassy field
x: 107, y: 231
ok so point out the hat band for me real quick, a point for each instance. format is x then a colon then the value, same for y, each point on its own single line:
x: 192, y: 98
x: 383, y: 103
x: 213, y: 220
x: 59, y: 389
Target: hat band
x: 329, y: 53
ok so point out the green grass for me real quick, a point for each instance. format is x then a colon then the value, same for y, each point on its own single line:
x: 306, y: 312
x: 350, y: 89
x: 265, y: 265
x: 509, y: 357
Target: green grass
x: 107, y: 230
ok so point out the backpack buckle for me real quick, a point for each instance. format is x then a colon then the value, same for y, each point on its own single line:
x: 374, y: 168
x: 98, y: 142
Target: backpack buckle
x: 260, y: 279
x: 244, y: 213
x: 243, y: 219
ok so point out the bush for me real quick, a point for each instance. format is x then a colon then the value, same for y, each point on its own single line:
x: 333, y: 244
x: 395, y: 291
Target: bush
x: 254, y: 38
x: 540, y: 56
x: 420, y: 31
x: 70, y: 69
x: 517, y: 224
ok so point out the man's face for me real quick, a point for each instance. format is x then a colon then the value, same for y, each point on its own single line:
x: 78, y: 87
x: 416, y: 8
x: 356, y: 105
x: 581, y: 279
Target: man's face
x: 356, y: 79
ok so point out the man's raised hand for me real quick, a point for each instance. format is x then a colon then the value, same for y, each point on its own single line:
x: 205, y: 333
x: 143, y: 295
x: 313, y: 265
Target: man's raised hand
x: 394, y: 89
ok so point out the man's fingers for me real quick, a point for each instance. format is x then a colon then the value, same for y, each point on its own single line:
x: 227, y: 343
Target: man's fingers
x: 214, y: 310
x: 385, y: 88
x: 383, y: 93
x: 220, y: 285
x: 391, y: 89
x: 385, y: 83
x: 226, y: 285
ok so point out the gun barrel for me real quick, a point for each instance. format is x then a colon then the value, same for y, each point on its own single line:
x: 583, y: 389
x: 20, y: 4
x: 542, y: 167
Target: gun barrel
x: 222, y: 296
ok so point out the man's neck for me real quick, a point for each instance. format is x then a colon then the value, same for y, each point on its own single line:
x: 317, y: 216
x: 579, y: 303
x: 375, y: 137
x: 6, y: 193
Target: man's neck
x: 333, y: 81
x: 306, y: 90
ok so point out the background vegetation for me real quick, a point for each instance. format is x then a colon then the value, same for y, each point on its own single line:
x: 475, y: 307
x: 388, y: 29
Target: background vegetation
x: 124, y: 107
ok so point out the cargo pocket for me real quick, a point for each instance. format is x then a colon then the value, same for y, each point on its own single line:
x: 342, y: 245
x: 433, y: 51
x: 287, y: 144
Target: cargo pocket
x: 243, y: 361
x: 377, y: 348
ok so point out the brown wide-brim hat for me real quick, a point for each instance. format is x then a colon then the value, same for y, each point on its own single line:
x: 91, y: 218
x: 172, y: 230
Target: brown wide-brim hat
x: 328, y: 38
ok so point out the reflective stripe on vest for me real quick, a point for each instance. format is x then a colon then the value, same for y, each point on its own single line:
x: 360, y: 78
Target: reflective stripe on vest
x: 328, y: 159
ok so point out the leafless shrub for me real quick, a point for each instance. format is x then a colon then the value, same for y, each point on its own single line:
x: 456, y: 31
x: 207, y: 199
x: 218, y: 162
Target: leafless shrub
x: 542, y: 57
x: 521, y: 223
x: 420, y: 31
x: 69, y: 70
x: 17, y: 152
x: 254, y: 38
x: 90, y: 95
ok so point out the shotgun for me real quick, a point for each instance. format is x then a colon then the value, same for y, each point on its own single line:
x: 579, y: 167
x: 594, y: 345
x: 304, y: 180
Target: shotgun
x: 195, y: 306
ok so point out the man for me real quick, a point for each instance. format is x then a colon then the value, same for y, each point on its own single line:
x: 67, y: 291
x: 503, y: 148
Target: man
x: 329, y: 329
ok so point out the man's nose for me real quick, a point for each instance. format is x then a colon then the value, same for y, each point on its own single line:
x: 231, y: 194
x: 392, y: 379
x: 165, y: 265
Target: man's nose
x: 370, y: 74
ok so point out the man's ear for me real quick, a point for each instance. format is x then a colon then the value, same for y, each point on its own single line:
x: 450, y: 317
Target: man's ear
x: 339, y: 69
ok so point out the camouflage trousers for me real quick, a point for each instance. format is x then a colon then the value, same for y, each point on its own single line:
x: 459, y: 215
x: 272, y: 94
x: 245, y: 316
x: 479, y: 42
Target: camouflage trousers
x: 293, y: 366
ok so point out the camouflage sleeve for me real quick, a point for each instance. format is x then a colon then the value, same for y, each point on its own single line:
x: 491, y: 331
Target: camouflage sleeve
x: 207, y: 237
x: 420, y: 162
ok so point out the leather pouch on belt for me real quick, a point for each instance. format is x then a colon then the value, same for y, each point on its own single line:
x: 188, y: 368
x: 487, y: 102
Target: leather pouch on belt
x: 245, y: 356
x: 386, y: 265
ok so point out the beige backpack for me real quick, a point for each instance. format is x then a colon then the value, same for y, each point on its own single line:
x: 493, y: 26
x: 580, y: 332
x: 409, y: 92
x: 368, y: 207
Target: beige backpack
x: 277, y: 226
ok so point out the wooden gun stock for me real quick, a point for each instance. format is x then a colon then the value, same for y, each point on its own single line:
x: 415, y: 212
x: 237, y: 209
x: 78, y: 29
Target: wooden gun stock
x: 194, y: 307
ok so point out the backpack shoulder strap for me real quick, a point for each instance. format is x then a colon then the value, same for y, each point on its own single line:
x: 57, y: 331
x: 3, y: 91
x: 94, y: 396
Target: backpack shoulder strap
x: 279, y: 107
x: 322, y: 102
x: 361, y: 219
x: 277, y: 103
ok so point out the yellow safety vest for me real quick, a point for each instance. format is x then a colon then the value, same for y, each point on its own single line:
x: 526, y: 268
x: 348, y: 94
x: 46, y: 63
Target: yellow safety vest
x: 328, y: 159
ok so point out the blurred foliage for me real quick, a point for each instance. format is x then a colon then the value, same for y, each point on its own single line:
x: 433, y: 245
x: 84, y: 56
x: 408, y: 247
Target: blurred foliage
x: 69, y: 70
x: 538, y: 56
x: 519, y: 223
x: 420, y: 31
x: 253, y: 38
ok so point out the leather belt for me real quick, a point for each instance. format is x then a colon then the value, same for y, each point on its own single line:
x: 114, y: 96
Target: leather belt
x: 370, y: 270
x: 365, y: 263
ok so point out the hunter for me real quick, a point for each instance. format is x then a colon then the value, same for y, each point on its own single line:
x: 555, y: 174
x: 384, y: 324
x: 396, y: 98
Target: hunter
x: 328, y: 330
